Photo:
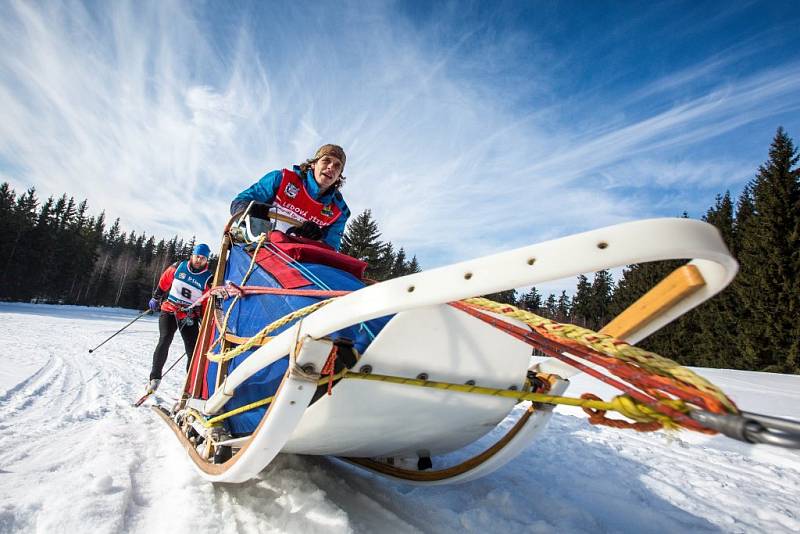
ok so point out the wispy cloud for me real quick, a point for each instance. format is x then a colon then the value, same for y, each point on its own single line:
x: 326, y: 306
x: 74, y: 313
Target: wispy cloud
x: 160, y: 113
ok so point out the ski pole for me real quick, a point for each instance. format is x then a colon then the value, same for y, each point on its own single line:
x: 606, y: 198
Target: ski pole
x: 120, y: 330
x: 173, y: 365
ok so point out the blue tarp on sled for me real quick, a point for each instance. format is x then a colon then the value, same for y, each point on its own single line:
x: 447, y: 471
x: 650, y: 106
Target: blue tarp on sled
x: 254, y: 312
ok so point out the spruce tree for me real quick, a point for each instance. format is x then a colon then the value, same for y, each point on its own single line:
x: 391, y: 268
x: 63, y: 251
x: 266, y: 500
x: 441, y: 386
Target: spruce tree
x: 716, y: 343
x: 550, y: 306
x: 386, y: 259
x: 563, y: 308
x: 531, y: 301
x: 399, y: 265
x: 361, y: 240
x: 21, y: 259
x: 413, y: 266
x: 581, y: 303
x: 744, y: 210
x: 600, y: 299
x: 7, y: 197
x: 767, y: 283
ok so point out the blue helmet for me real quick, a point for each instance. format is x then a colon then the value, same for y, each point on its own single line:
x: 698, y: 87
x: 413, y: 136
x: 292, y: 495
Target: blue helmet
x: 201, y: 249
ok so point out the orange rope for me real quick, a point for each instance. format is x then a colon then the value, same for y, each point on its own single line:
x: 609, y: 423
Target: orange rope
x: 598, y: 417
x: 328, y: 368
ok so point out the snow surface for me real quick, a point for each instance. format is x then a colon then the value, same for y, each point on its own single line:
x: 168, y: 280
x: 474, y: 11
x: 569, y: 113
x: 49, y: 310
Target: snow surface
x: 77, y: 456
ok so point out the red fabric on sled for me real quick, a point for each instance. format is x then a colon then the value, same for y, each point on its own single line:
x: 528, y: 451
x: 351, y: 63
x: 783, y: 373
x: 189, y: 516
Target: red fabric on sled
x: 286, y: 275
x: 308, y: 251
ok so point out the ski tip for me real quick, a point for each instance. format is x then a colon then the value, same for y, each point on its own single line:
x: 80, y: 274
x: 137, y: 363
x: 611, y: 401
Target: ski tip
x: 141, y: 400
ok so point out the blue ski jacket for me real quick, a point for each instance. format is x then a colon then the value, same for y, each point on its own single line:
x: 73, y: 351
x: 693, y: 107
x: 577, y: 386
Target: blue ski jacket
x: 264, y: 191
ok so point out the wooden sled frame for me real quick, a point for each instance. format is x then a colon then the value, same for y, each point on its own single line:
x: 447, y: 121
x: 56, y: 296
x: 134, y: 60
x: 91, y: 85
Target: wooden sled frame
x: 711, y: 269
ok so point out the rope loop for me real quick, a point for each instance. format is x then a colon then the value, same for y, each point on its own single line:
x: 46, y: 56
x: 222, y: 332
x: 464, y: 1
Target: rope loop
x: 646, y: 419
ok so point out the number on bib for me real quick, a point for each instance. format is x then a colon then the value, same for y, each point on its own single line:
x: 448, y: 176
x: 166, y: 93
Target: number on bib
x: 186, y: 292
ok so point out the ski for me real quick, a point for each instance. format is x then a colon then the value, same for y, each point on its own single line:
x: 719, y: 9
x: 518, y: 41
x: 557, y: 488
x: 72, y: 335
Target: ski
x: 143, y: 398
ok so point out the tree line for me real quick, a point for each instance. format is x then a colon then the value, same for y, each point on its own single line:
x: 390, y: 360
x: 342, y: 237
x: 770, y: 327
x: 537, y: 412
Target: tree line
x: 754, y: 324
x: 55, y: 252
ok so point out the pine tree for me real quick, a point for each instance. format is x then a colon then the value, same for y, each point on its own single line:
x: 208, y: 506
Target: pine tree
x: 600, y: 299
x: 744, y: 211
x: 550, y: 306
x: 531, y: 301
x: 399, y: 265
x: 413, y: 266
x: 361, y: 240
x: 767, y: 283
x: 716, y: 343
x: 7, y: 227
x: 563, y: 308
x: 386, y: 260
x: 581, y: 303
x: 21, y: 261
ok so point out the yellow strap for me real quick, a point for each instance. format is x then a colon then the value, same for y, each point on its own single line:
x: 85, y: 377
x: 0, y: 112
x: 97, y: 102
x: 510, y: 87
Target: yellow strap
x: 622, y: 404
x: 211, y: 422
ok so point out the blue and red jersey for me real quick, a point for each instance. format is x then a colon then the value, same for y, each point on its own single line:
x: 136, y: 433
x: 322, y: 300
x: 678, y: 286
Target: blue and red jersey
x: 183, y: 287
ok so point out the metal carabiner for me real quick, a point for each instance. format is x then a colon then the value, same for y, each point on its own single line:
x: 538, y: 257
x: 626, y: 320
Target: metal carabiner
x: 777, y: 431
x: 752, y: 427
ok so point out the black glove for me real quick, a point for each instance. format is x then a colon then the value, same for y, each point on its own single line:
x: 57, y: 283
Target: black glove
x: 260, y: 210
x: 308, y: 229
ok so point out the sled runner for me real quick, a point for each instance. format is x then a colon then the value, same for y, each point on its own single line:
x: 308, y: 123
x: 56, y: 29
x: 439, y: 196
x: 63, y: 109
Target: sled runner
x: 297, y: 353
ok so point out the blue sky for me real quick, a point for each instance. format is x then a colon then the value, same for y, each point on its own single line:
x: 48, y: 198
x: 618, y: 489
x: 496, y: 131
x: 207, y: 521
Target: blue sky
x: 470, y: 128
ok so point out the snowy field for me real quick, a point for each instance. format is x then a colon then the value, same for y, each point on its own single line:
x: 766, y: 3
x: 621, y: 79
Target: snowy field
x: 77, y: 457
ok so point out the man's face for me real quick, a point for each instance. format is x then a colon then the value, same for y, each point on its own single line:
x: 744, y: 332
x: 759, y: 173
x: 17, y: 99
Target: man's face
x: 198, y: 262
x: 327, y: 170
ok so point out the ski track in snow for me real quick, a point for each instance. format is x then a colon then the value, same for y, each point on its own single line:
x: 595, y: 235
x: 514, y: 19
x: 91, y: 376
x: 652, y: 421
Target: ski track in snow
x: 77, y: 456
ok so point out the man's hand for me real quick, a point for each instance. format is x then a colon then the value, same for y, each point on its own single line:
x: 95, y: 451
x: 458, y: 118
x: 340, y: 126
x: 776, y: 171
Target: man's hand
x: 308, y: 229
x: 154, y: 305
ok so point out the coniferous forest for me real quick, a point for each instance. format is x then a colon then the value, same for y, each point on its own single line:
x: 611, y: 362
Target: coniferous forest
x: 55, y: 251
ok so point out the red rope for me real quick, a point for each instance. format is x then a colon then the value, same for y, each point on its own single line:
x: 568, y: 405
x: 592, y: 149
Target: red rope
x: 230, y: 290
x: 264, y: 290
x: 329, y: 367
x: 625, y: 371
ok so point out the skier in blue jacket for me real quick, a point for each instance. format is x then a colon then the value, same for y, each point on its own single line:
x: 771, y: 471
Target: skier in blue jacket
x: 308, y: 193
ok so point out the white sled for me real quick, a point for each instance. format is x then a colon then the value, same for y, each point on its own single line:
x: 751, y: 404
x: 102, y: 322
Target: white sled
x: 405, y: 432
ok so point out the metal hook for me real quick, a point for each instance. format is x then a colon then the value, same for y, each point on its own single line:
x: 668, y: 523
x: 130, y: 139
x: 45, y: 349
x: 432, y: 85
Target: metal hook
x: 752, y: 427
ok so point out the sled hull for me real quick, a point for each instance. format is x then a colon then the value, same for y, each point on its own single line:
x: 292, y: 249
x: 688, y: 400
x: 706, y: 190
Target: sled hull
x: 367, y: 419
